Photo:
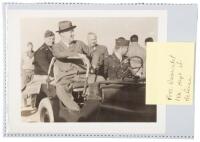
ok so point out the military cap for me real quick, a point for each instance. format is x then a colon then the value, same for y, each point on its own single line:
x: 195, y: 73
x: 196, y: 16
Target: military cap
x: 48, y: 33
x: 121, y: 41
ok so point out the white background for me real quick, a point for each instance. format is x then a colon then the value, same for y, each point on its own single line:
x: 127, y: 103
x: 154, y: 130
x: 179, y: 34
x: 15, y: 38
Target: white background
x: 197, y: 81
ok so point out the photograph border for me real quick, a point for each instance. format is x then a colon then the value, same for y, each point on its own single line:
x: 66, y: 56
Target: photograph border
x: 164, y: 39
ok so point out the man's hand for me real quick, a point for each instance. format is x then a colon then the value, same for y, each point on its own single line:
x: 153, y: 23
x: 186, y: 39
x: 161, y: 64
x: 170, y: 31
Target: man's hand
x: 125, y: 61
x: 49, y: 79
x: 85, y: 59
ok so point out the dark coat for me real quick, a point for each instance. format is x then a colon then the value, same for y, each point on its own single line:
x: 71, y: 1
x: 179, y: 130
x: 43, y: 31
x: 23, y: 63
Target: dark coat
x: 42, y: 60
x: 61, y: 52
x: 113, y: 68
x: 97, y: 56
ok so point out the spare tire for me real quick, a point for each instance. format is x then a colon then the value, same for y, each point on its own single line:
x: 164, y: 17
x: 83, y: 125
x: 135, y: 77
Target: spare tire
x: 45, y: 110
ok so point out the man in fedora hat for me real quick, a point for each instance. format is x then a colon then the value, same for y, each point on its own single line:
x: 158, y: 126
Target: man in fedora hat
x: 115, y: 64
x: 66, y: 73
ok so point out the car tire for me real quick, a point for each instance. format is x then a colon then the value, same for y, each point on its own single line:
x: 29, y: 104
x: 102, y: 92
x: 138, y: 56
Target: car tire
x: 45, y: 111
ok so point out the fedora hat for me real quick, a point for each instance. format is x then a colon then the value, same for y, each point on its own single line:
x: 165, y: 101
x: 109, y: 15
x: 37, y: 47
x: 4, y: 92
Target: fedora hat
x: 65, y: 26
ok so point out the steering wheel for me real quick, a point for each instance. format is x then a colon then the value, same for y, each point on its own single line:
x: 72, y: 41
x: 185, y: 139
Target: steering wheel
x: 135, y: 65
x: 86, y: 66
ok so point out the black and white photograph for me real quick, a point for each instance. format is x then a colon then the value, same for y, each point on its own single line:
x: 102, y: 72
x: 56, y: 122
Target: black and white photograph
x: 79, y: 71
x: 85, y: 69
x: 99, y: 70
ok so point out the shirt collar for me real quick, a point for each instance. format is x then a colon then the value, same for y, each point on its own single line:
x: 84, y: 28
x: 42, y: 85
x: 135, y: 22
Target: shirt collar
x: 134, y: 44
x: 47, y: 47
x: 94, y: 47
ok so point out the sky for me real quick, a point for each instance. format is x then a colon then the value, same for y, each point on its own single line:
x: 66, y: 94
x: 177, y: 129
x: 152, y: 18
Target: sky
x: 107, y: 29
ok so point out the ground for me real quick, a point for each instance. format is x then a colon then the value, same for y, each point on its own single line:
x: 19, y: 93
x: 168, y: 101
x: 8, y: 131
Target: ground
x: 29, y: 115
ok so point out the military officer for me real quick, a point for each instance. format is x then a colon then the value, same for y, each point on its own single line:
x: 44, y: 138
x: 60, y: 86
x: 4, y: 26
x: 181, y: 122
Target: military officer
x: 115, y: 65
x: 97, y: 53
x: 135, y: 49
x: 148, y: 39
x: 43, y: 55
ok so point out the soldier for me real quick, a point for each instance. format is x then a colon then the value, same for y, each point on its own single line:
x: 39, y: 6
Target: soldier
x: 43, y: 55
x: 27, y: 64
x: 148, y: 39
x: 28, y: 69
x: 97, y: 53
x: 116, y: 64
x: 135, y: 49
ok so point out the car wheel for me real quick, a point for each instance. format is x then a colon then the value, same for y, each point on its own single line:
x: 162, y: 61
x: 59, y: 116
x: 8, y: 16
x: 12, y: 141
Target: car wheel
x: 45, y: 110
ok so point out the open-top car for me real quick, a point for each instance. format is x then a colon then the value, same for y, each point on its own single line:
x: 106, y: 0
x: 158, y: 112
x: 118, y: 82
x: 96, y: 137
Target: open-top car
x: 120, y: 100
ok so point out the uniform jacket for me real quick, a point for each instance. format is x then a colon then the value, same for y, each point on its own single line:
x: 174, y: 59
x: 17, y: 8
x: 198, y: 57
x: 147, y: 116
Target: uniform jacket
x: 136, y: 50
x: 113, y: 68
x: 64, y: 67
x: 97, y: 56
x: 42, y: 59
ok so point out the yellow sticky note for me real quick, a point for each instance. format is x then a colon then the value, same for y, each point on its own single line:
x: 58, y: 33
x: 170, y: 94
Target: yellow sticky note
x: 169, y: 73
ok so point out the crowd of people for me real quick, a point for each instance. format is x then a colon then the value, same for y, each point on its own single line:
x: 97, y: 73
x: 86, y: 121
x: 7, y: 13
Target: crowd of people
x: 107, y: 67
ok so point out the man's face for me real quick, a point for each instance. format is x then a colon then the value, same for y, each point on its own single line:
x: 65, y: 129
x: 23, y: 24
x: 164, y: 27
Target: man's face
x: 50, y: 40
x: 92, y: 40
x: 29, y: 47
x: 68, y: 36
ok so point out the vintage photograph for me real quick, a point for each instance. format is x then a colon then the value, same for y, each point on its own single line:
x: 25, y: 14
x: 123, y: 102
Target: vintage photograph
x: 85, y: 69
x: 99, y: 70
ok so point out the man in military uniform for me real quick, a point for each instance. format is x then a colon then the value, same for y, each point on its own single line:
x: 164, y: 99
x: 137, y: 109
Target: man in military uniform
x: 116, y: 65
x: 43, y: 55
x: 148, y: 39
x: 135, y: 49
x: 97, y: 53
